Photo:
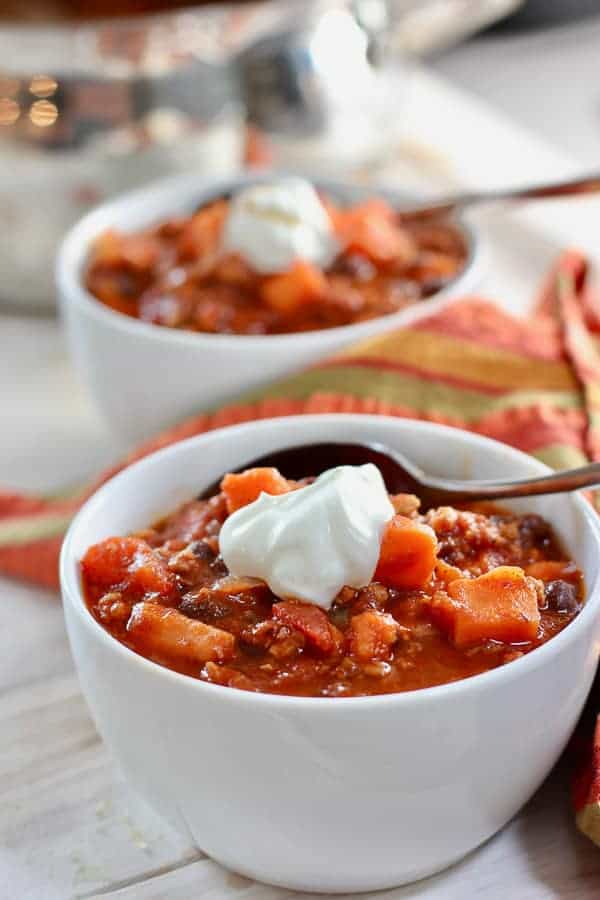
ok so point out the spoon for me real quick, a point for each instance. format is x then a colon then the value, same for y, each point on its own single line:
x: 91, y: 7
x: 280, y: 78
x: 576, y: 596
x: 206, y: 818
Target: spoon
x: 402, y: 476
x: 588, y: 184
x: 447, y: 206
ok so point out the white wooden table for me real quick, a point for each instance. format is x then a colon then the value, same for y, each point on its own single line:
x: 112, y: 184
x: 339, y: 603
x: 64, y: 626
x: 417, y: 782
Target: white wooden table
x: 69, y: 826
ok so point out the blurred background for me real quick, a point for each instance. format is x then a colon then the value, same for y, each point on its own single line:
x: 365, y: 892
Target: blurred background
x: 100, y: 96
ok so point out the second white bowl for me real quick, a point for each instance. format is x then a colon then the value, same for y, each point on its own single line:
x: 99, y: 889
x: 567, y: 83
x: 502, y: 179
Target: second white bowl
x: 145, y: 377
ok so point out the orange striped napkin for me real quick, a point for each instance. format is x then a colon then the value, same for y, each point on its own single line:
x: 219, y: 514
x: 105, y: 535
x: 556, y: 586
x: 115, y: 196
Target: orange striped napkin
x: 532, y: 383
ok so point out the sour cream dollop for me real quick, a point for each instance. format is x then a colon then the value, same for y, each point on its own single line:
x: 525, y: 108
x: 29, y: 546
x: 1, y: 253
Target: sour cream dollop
x: 271, y: 225
x: 311, y: 542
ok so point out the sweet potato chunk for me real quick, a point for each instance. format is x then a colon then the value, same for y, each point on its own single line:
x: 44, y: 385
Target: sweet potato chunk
x: 308, y: 619
x: 302, y: 284
x: 245, y: 488
x: 166, y: 631
x: 372, y: 635
x: 128, y: 563
x: 501, y: 605
x: 201, y: 235
x: 447, y: 573
x: 135, y: 251
x: 371, y: 229
x: 408, y: 554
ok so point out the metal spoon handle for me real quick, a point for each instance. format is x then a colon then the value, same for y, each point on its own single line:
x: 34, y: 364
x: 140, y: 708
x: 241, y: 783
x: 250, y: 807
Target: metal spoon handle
x: 588, y: 184
x: 559, y: 482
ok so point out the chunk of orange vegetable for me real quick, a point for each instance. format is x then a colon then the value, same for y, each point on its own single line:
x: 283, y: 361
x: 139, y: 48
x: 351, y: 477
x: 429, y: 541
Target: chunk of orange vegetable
x: 447, y: 573
x: 500, y: 605
x: 246, y: 487
x: 371, y: 229
x: 299, y: 286
x: 201, y: 236
x: 408, y: 554
x: 127, y: 563
x: 135, y: 251
x: 310, y: 620
x: 167, y: 631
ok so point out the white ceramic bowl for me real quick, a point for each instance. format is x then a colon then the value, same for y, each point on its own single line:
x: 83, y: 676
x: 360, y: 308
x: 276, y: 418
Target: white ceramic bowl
x: 144, y: 377
x: 331, y: 794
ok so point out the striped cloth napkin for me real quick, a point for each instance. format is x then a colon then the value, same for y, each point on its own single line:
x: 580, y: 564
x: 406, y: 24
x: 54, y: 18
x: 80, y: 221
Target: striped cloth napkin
x: 532, y: 383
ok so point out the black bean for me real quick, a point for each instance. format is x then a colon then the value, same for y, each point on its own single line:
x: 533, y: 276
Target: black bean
x: 355, y: 265
x: 204, y: 605
x: 218, y: 567
x: 202, y: 551
x: 339, y: 616
x: 373, y: 596
x: 561, y: 597
x: 534, y: 531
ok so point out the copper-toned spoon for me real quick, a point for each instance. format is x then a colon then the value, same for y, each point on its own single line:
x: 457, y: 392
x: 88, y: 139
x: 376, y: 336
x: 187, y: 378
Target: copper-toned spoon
x: 402, y: 476
x: 446, y: 206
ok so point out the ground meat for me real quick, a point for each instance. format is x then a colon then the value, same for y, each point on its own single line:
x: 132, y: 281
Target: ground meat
x: 287, y: 643
x: 261, y: 635
x: 372, y: 635
x: 482, y: 539
x: 405, y: 504
x: 373, y: 596
x: 194, y: 563
x: 461, y: 534
x: 112, y: 608
x: 282, y: 641
x: 226, y: 676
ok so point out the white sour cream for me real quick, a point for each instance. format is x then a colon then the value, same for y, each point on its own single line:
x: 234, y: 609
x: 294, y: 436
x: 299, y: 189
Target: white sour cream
x: 271, y: 225
x: 311, y: 542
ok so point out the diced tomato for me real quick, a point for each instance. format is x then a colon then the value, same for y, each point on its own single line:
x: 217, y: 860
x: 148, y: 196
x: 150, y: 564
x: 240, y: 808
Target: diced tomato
x: 501, y: 605
x: 128, y: 563
x: 303, y: 284
x: 554, y: 570
x: 408, y: 554
x: 310, y: 620
x: 246, y: 487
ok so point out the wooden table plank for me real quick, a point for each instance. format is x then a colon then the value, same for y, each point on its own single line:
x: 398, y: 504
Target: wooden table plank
x: 538, y: 856
x: 38, y: 646
x: 66, y: 817
x: 202, y: 880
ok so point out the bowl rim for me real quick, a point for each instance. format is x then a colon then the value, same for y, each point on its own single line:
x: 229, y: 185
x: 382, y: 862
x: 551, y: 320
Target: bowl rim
x: 70, y: 580
x: 173, y: 194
